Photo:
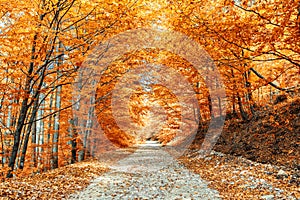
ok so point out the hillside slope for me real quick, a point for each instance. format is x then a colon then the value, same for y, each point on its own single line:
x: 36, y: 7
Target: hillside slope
x: 271, y: 136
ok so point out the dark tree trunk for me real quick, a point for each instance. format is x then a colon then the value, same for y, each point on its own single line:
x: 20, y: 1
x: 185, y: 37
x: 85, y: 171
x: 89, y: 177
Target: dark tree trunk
x: 252, y: 104
x: 74, y: 135
x: 17, y: 135
x: 210, y: 106
x: 29, y: 128
x: 241, y: 108
x: 33, y: 141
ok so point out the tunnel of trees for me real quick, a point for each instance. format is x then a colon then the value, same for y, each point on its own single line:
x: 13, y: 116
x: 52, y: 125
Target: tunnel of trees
x: 45, y: 44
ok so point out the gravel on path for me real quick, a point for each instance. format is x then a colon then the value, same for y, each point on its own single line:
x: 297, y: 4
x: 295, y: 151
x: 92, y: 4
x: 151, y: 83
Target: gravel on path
x: 148, y: 173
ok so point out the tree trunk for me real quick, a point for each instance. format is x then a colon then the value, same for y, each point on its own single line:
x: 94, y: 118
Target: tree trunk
x: 56, y: 130
x: 40, y: 132
x: 252, y: 104
x: 234, y: 106
x: 34, y: 143
x: 17, y: 135
x: 210, y: 106
x: 49, y: 148
x: 220, y: 106
x: 29, y: 128
x: 74, y: 136
x: 57, y: 115
x: 242, y: 111
x: 2, y: 148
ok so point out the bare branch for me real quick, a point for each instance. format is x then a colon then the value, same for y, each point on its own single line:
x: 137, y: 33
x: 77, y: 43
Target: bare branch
x: 271, y: 83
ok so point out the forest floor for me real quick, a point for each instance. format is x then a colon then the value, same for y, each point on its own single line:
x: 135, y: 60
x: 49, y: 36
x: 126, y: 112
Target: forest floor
x: 254, y: 159
x: 258, y: 159
x: 239, y: 178
x: 53, y: 184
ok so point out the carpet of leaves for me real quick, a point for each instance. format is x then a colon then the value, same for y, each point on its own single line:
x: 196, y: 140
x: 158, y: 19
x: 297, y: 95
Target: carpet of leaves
x: 54, y: 184
x: 232, y: 175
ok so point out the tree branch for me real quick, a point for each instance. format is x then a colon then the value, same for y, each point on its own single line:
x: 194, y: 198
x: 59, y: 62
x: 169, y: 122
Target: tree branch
x: 272, y: 84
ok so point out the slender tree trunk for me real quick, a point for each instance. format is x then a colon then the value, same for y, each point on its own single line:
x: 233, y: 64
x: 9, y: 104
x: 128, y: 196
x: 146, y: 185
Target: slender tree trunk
x: 29, y: 128
x: 233, y: 96
x: 34, y: 143
x: 234, y: 106
x: 271, y: 96
x: 56, y: 129
x: 49, y: 134
x: 57, y: 115
x: 17, y: 136
x: 2, y: 148
x: 40, y: 132
x: 220, y: 106
x: 241, y: 108
x: 252, y: 104
x: 210, y: 106
x: 74, y: 136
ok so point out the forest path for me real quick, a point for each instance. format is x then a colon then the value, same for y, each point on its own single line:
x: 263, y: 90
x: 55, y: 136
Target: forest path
x: 148, y: 173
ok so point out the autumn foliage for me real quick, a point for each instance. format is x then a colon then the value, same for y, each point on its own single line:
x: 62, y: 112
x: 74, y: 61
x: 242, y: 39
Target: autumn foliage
x: 44, y: 44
